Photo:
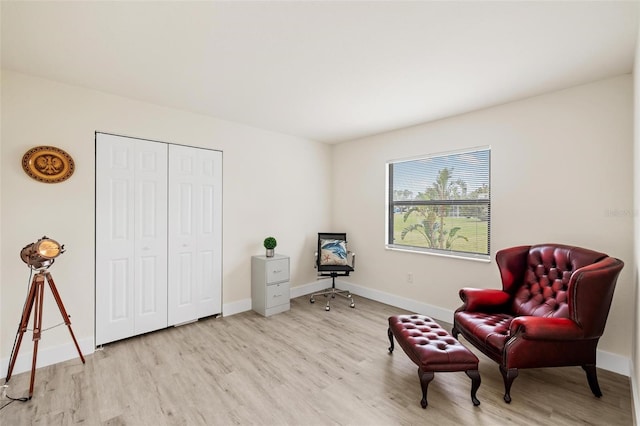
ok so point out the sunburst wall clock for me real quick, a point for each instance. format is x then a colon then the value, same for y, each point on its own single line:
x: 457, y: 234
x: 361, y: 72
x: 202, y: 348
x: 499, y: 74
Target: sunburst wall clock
x: 48, y: 164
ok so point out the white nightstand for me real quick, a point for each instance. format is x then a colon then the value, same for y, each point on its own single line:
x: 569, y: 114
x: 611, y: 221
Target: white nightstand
x: 270, y: 284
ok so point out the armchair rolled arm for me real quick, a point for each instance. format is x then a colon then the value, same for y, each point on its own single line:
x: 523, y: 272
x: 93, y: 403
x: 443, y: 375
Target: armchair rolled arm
x: 476, y: 299
x: 545, y: 328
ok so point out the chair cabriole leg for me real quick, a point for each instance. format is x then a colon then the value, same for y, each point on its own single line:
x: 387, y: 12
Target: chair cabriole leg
x: 592, y: 378
x: 508, y: 376
x: 390, y: 334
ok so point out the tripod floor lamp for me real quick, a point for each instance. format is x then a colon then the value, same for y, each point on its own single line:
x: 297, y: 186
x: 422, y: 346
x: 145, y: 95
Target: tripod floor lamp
x: 39, y: 256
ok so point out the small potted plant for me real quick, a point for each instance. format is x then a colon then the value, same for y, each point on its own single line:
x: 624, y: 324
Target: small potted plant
x: 270, y: 243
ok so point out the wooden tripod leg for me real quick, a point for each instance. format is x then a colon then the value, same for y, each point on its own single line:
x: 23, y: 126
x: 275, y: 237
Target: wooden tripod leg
x: 37, y: 329
x: 63, y: 312
x: 24, y: 323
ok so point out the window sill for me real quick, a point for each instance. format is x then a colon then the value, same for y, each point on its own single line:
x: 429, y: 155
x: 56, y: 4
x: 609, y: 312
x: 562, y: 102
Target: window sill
x: 473, y: 257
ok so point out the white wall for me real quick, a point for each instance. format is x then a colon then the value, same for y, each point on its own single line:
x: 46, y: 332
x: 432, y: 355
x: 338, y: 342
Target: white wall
x: 273, y: 184
x: 561, y: 171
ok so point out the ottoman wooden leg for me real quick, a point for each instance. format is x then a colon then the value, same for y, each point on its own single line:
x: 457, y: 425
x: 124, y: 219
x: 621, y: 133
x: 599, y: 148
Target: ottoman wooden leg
x: 425, y: 378
x: 390, y: 334
x: 475, y: 384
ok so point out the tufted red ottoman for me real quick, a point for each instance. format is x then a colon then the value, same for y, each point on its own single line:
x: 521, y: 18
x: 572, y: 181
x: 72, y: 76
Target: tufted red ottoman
x: 432, y: 349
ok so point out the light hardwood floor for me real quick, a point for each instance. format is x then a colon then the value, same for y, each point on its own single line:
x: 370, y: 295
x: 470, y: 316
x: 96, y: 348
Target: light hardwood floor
x: 302, y: 367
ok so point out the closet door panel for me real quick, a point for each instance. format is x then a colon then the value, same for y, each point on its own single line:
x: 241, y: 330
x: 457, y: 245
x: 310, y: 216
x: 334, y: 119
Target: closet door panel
x: 209, y: 303
x: 114, y: 240
x: 195, y: 228
x: 131, y: 237
x: 183, y: 204
x: 185, y: 279
x: 151, y: 236
x: 210, y: 235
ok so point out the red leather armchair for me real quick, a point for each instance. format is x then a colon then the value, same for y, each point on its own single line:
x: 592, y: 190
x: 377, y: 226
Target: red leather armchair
x: 551, y: 311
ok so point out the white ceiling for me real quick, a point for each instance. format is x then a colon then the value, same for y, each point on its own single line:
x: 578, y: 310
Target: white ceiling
x: 325, y: 70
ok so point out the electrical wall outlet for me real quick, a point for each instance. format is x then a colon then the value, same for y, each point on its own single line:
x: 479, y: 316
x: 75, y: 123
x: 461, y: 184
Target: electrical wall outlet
x: 409, y: 277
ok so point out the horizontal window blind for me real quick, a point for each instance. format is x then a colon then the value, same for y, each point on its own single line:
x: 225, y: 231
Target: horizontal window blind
x: 441, y: 203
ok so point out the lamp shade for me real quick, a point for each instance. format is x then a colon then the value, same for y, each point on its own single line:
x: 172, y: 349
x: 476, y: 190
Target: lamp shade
x: 42, y: 253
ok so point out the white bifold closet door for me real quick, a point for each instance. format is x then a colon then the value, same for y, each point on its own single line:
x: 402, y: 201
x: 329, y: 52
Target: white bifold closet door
x: 195, y: 233
x: 158, y: 235
x: 131, y: 237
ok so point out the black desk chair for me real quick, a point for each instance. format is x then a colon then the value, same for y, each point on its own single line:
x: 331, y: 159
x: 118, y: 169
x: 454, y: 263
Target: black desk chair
x: 333, y: 260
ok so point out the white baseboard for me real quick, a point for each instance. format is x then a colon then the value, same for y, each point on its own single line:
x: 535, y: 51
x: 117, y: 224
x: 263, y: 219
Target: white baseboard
x: 399, y: 302
x: 635, y: 397
x: 313, y: 287
x: 229, y: 309
x: 613, y: 362
x: 46, y: 356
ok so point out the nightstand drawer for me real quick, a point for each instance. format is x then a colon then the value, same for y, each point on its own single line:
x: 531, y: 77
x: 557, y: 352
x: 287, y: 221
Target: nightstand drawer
x: 277, y: 294
x: 277, y: 270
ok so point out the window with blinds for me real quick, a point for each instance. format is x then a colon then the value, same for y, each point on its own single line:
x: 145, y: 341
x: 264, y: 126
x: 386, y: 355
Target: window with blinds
x: 441, y: 203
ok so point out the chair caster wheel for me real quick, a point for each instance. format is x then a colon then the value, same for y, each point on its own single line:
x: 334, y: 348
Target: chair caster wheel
x: 353, y: 305
x: 327, y: 308
x: 312, y: 300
